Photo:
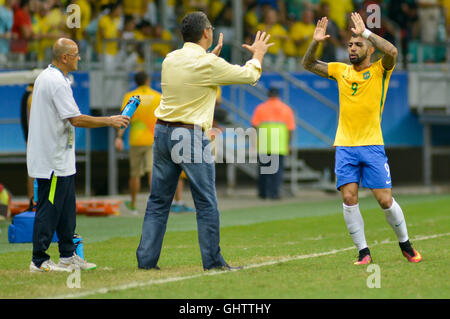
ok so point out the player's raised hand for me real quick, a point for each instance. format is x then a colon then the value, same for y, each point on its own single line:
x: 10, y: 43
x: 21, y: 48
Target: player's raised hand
x: 219, y: 45
x: 321, y: 30
x: 260, y: 44
x: 358, y: 22
x: 119, y: 121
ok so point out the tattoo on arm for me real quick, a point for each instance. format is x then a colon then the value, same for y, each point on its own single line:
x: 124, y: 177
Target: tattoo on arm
x: 310, y: 62
x: 389, y: 50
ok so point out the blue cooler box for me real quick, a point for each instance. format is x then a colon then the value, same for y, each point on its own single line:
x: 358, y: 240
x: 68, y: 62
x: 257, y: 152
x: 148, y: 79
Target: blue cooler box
x: 21, y: 229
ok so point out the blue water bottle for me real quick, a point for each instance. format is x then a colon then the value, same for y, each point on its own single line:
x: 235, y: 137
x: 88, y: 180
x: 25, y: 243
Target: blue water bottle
x: 132, y: 105
x: 78, y: 241
x: 35, y: 188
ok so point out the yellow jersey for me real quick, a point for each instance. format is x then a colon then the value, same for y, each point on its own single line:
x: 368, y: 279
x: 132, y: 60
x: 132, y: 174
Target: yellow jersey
x: 361, y: 101
x: 339, y: 10
x: 134, y: 7
x: 299, y: 31
x: 143, y: 121
x: 162, y: 49
x: 111, y: 30
x: 85, y: 18
x: 278, y: 35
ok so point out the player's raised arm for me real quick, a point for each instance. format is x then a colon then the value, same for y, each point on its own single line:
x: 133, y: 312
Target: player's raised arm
x: 309, y: 61
x: 389, y: 50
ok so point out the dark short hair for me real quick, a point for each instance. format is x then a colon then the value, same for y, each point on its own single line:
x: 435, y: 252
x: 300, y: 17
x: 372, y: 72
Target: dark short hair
x: 273, y: 92
x: 192, y: 26
x: 140, y: 78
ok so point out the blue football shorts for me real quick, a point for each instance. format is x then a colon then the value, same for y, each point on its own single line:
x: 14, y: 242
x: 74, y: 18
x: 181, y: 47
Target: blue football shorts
x: 366, y: 165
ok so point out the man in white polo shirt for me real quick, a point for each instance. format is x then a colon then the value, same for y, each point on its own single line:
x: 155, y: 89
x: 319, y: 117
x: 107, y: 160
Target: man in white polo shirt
x: 51, y: 157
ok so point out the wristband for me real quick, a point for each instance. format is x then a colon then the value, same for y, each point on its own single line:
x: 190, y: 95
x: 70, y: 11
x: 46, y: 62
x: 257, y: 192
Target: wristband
x: 366, y: 33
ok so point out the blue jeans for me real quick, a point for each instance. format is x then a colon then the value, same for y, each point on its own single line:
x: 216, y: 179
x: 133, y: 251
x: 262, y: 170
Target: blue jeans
x: 165, y: 174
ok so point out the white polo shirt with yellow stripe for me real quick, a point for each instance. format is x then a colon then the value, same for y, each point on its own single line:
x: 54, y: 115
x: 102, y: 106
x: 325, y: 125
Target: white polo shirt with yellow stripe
x: 51, y: 136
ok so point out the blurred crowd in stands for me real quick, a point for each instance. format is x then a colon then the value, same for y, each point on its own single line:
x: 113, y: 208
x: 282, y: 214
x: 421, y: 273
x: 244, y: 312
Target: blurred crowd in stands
x: 28, y: 28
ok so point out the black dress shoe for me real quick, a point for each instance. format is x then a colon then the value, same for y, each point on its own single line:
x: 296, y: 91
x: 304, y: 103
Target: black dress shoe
x: 150, y: 268
x: 228, y: 267
x: 225, y: 267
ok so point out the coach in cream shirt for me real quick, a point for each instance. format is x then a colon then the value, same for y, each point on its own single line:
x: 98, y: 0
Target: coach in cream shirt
x: 189, y: 81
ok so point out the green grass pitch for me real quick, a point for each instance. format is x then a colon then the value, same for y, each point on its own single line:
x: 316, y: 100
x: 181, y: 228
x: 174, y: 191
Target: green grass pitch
x: 298, y: 250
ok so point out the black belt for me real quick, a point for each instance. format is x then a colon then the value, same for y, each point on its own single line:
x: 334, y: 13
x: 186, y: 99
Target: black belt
x: 178, y: 124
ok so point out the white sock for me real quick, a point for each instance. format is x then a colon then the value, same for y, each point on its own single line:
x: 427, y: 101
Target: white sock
x: 355, y: 225
x: 395, y: 218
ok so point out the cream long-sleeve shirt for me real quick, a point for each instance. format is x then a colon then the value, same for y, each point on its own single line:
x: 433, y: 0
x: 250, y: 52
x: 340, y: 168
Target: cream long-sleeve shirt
x: 189, y: 81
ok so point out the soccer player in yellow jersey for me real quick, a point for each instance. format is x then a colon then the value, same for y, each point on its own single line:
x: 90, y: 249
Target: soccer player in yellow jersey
x: 360, y: 155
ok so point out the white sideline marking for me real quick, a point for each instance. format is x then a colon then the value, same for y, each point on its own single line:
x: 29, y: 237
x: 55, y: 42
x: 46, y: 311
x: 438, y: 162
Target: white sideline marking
x: 213, y: 273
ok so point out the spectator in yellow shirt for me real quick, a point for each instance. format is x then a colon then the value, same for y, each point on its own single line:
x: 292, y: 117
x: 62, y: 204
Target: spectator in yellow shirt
x: 109, y: 29
x: 135, y: 8
x: 339, y: 11
x: 39, y: 13
x: 85, y: 18
x: 300, y: 35
x: 128, y: 49
x: 278, y: 34
x: 161, y: 49
x: 142, y: 33
x: 52, y: 27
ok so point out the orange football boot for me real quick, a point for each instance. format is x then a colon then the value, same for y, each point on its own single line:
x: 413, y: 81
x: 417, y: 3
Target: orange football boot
x: 364, y: 260
x: 413, y: 259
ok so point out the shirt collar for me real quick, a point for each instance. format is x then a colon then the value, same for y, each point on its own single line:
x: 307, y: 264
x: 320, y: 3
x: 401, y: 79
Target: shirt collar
x: 194, y: 46
x: 51, y: 65
x: 143, y: 88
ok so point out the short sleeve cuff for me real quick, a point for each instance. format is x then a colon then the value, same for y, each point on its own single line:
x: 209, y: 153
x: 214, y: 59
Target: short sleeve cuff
x: 66, y: 116
x: 256, y: 63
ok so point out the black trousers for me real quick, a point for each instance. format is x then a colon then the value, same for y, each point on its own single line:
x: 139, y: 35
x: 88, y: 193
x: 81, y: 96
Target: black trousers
x: 269, y: 184
x: 56, y: 211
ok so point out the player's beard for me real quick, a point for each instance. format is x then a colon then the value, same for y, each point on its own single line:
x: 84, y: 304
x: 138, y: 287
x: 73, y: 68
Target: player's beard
x: 358, y: 60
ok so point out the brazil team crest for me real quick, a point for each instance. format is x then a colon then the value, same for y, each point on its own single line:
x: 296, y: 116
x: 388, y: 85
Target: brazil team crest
x: 366, y: 75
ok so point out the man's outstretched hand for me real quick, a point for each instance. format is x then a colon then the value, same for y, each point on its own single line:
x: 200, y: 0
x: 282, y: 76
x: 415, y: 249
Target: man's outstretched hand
x: 260, y: 46
x: 219, y: 45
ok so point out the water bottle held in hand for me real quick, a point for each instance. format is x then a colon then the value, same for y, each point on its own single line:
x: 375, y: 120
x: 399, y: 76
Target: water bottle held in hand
x: 35, y: 190
x: 131, y: 106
